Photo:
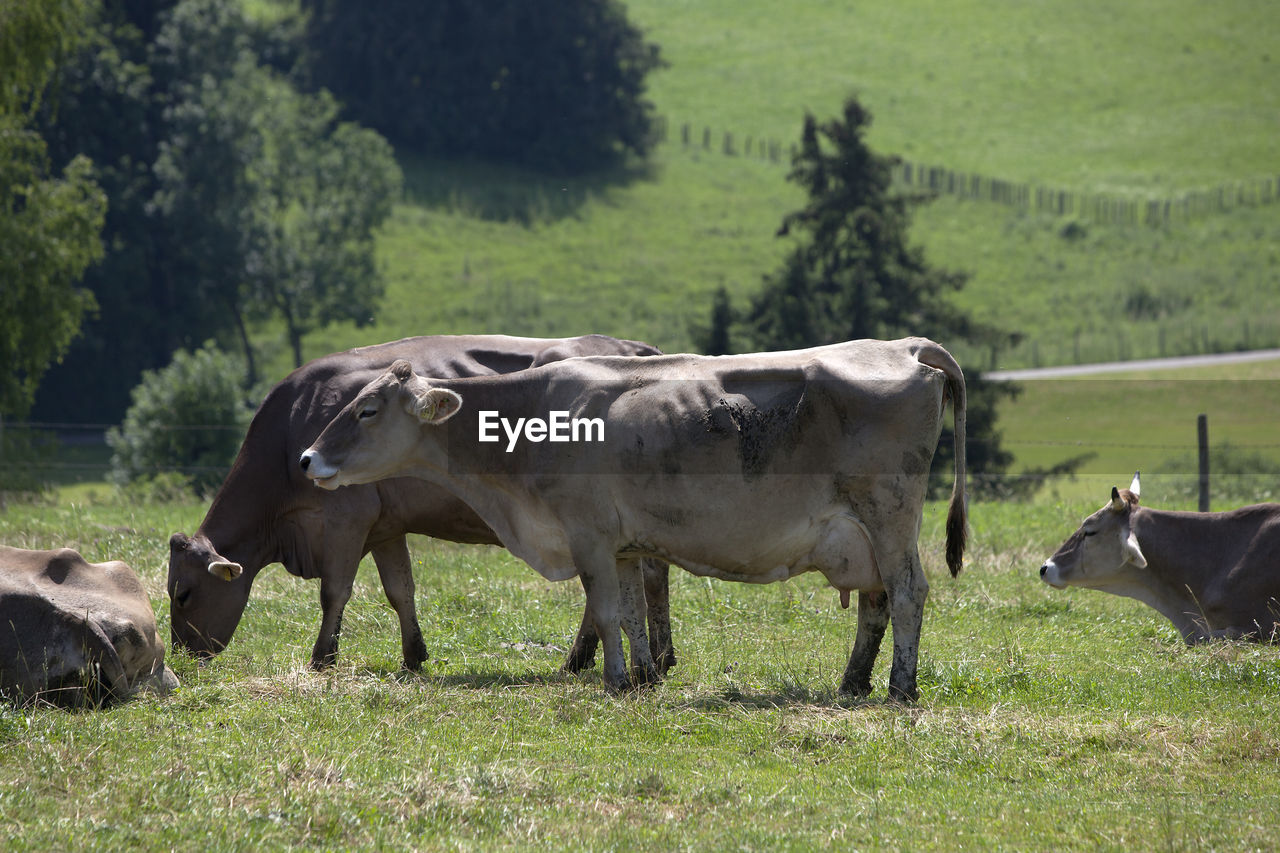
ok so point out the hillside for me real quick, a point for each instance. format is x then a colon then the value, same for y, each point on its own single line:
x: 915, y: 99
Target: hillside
x: 1102, y: 101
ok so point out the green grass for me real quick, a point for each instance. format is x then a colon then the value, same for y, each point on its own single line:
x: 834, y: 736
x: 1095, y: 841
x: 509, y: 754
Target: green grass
x: 1145, y: 421
x: 1093, y: 96
x: 1048, y: 720
x: 1147, y: 98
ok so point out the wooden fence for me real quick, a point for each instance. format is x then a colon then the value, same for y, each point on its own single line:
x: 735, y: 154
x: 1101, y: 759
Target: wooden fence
x: 1097, y: 207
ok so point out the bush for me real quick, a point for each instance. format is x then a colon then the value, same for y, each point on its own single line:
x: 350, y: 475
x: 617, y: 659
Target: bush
x: 188, y: 418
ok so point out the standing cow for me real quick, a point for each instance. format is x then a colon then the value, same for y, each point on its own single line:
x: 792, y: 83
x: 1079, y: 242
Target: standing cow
x: 1212, y: 574
x: 749, y: 468
x: 266, y: 511
x: 76, y: 633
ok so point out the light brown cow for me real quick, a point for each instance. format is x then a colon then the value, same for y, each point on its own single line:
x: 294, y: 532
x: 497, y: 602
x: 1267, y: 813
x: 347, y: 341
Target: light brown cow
x: 1212, y: 574
x: 74, y: 632
x: 748, y: 468
x: 266, y: 511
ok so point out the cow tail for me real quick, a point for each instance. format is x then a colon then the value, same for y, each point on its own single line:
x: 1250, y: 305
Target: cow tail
x: 938, y: 358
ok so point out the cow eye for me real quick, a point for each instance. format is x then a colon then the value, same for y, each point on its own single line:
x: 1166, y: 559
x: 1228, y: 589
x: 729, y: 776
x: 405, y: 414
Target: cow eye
x: 367, y: 412
x: 1090, y: 533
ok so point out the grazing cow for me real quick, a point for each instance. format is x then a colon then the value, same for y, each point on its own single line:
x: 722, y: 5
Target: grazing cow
x: 1212, y: 574
x: 748, y: 468
x: 266, y: 511
x: 76, y: 633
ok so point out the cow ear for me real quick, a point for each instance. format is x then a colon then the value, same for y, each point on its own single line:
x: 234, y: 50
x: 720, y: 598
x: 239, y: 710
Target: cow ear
x: 225, y: 570
x: 436, y: 405
x: 1117, y: 502
x: 1132, y: 553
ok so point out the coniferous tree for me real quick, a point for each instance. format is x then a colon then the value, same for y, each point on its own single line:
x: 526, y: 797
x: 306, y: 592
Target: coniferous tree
x: 854, y: 274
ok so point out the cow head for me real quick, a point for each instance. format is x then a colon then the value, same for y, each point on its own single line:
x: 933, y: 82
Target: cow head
x: 1102, y: 548
x: 207, y: 595
x: 377, y: 432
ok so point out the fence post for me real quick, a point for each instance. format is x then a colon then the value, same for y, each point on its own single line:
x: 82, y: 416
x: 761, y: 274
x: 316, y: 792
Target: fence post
x: 1202, y: 432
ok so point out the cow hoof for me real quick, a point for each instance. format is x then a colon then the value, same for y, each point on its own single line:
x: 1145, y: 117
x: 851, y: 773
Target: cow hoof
x: 579, y: 661
x: 856, y: 689
x: 324, y: 662
x: 907, y: 694
x: 666, y: 662
x: 642, y: 676
x: 413, y: 657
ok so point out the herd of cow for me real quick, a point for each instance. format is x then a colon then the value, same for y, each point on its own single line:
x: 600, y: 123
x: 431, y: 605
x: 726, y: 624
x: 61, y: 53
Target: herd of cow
x: 749, y: 468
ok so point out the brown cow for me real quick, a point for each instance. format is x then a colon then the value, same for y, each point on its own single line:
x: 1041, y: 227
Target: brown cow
x: 74, y: 632
x: 266, y: 511
x: 749, y: 468
x: 1212, y: 574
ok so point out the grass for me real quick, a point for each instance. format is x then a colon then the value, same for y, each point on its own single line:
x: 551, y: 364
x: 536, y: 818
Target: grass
x: 1063, y: 720
x: 1150, y: 98
x: 1145, y: 421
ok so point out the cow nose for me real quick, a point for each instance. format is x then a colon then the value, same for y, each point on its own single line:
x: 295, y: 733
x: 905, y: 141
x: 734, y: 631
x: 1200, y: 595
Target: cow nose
x: 305, y: 461
x: 1044, y: 569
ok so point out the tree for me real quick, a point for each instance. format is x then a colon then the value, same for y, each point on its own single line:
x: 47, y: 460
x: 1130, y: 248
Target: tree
x: 319, y: 192
x: 49, y: 225
x: 854, y: 274
x: 195, y: 141
x: 188, y: 418
x: 505, y: 80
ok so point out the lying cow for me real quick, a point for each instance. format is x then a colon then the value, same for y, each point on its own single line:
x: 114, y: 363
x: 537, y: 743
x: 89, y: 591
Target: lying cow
x: 266, y: 511
x: 748, y: 468
x: 74, y: 632
x: 1212, y: 574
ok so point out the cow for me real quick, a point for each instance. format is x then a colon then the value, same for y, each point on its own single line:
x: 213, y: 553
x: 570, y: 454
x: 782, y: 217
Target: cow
x: 266, y: 511
x: 1212, y: 574
x: 747, y: 468
x: 76, y: 633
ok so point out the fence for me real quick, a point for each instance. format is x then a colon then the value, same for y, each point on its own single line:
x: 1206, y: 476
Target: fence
x: 1097, y: 207
x: 74, y: 453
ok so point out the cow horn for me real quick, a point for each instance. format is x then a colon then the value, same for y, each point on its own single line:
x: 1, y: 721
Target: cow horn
x: 1136, y: 487
x: 225, y: 569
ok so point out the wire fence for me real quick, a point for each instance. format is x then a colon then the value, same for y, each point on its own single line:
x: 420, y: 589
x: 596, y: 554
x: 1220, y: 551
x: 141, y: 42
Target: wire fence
x: 1154, y: 211
x: 68, y: 453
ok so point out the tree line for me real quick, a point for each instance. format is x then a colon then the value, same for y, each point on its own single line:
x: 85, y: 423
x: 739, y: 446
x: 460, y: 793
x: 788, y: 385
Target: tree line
x: 233, y: 170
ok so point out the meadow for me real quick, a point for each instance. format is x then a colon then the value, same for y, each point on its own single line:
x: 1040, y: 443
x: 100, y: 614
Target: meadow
x: 1145, y: 100
x: 1047, y: 719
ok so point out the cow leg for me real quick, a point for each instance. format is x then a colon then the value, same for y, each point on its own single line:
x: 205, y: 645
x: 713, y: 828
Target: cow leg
x: 599, y: 575
x: 337, y: 575
x: 906, y: 602
x: 657, y: 595
x: 583, y: 654
x: 633, y: 612
x: 396, y: 572
x: 334, y: 595
x: 873, y: 618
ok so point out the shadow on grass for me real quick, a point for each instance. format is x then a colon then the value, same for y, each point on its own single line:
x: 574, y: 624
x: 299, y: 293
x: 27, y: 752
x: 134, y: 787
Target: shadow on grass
x: 725, y: 698
x: 787, y: 696
x: 504, y: 193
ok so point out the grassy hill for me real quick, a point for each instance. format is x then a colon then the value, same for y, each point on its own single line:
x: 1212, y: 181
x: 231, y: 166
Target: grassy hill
x: 1142, y: 100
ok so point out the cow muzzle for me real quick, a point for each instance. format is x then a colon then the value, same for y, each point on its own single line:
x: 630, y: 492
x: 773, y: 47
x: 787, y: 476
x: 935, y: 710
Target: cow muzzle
x: 1050, y: 574
x: 317, y: 469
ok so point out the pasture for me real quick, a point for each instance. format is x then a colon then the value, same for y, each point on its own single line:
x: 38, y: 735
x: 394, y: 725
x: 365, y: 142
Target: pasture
x: 1047, y: 720
x: 1146, y: 100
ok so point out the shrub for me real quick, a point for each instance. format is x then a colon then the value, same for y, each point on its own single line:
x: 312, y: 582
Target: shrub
x: 188, y: 418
